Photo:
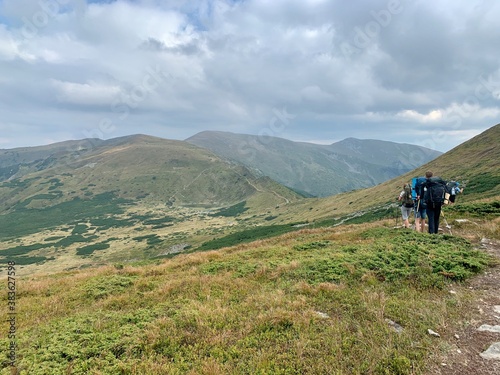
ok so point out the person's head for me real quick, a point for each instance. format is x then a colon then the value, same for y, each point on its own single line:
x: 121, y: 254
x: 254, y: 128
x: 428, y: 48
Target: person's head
x: 428, y: 174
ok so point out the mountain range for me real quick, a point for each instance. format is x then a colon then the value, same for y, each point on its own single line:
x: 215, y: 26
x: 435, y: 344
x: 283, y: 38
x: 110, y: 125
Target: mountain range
x: 90, y: 237
x: 83, y: 203
x: 317, y: 170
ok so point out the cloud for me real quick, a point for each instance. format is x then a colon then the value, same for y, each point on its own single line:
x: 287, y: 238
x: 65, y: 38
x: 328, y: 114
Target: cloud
x: 412, y: 115
x: 371, y: 69
x: 91, y: 93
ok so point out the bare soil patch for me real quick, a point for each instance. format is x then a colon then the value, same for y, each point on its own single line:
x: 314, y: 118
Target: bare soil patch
x: 463, y: 342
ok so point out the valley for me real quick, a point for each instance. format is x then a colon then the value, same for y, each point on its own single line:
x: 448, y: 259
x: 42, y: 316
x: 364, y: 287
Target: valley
x: 141, y: 199
x: 131, y: 259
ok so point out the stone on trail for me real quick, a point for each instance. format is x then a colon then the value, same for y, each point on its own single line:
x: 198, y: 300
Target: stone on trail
x: 395, y: 326
x: 432, y: 333
x: 488, y: 328
x: 493, y: 352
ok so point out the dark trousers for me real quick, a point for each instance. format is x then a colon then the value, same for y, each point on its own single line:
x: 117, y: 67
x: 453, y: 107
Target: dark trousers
x: 433, y: 212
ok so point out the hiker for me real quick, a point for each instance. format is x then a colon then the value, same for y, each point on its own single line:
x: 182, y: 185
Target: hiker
x: 434, y: 191
x: 406, y: 204
x: 420, y: 215
x: 453, y: 188
x: 420, y: 206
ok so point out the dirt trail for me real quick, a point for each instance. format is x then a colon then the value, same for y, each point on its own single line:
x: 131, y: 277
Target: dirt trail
x: 467, y: 342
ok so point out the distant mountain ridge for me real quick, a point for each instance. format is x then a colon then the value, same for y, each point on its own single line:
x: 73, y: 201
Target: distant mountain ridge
x: 83, y: 203
x: 135, y: 167
x: 317, y: 170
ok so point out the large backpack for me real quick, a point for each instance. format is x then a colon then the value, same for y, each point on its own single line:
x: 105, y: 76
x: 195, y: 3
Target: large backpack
x: 416, y: 187
x: 407, y: 197
x: 436, y: 188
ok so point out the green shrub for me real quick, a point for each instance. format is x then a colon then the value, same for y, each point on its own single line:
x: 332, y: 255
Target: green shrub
x: 102, y: 287
x: 88, y: 250
x: 232, y: 211
x: 476, y: 209
x: 248, y: 235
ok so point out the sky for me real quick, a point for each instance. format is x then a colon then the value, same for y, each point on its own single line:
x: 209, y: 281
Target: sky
x: 409, y: 71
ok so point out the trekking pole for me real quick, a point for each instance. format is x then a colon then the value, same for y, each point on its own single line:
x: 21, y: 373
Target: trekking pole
x: 415, y: 215
x: 398, y: 214
x: 447, y: 225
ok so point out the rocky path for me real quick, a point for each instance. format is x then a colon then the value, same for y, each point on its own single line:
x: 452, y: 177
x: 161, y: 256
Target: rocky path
x: 474, y: 348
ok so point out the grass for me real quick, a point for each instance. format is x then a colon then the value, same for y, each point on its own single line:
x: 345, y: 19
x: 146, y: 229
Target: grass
x: 313, y: 301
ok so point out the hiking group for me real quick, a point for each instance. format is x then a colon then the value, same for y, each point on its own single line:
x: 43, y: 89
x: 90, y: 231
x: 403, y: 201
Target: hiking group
x: 425, y: 196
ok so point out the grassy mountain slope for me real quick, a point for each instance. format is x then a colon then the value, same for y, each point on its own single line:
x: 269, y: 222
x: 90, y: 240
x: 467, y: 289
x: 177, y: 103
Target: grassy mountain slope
x: 100, y: 226
x: 312, y: 302
x: 93, y: 207
x: 475, y: 163
x: 134, y: 168
x: 319, y: 170
x: 17, y: 162
x: 351, y: 299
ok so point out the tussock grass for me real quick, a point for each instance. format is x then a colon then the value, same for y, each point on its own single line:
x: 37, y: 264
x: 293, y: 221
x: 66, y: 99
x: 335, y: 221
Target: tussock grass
x: 309, y: 302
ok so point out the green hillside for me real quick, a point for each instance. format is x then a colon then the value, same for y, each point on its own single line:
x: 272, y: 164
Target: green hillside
x: 142, y: 168
x: 131, y: 197
x: 342, y: 293
x: 312, y: 302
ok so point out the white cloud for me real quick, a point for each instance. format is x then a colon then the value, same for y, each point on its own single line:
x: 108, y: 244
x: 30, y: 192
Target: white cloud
x: 226, y: 65
x: 412, y: 115
x: 91, y: 93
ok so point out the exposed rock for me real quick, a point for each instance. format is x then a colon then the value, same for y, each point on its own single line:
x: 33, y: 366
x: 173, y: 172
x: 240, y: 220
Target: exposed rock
x: 493, y: 352
x: 395, y: 326
x: 322, y: 314
x: 488, y: 328
x: 432, y: 333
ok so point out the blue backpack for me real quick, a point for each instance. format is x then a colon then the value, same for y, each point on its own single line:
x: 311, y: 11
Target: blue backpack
x: 416, y: 187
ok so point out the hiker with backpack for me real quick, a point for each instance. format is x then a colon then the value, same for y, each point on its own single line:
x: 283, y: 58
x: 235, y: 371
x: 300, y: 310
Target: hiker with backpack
x: 420, y: 206
x: 406, y: 204
x: 434, y: 189
x: 453, y: 189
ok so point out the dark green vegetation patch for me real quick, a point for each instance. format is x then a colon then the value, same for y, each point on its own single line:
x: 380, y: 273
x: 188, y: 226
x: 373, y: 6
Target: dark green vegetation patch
x: 232, y: 211
x: 477, y: 209
x: 373, y: 215
x: 26, y: 221
x: 248, y: 235
x: 102, y: 287
x: 76, y: 343
x: 151, y: 239
x: 88, y: 250
x: 482, y: 183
